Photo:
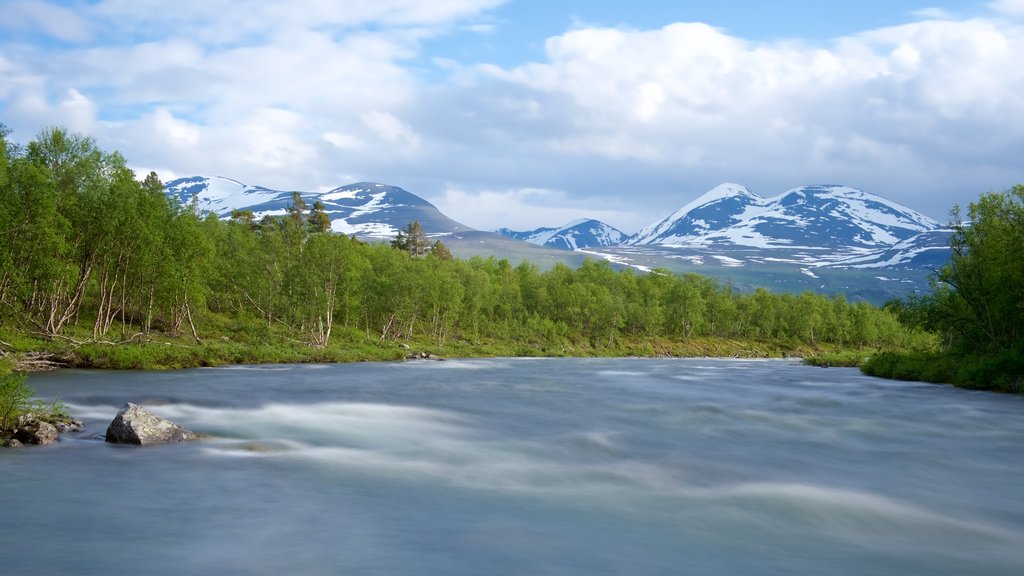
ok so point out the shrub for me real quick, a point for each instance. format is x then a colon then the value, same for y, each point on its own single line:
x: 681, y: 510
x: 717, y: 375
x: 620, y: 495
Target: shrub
x: 15, y: 399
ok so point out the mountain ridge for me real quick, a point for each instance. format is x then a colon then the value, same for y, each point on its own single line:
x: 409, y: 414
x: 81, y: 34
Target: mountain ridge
x: 367, y: 209
x: 580, y: 233
x: 819, y: 217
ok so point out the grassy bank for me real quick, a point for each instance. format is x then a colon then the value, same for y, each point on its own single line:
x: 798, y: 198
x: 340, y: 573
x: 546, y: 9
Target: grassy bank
x: 160, y: 352
x: 998, y: 373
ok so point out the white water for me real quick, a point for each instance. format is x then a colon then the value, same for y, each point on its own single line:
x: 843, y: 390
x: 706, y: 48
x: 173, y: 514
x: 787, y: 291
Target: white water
x: 525, y: 466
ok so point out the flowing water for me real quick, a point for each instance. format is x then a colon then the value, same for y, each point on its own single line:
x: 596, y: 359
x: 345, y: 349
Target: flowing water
x: 525, y: 467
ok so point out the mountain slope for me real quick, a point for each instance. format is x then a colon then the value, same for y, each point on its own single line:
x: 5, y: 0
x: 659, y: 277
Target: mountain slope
x: 826, y: 217
x: 584, y: 233
x: 365, y: 209
x: 927, y: 250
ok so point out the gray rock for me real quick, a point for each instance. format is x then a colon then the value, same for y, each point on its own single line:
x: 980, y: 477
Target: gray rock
x: 31, y: 430
x: 422, y: 356
x: 11, y: 443
x: 134, y: 425
x: 70, y: 425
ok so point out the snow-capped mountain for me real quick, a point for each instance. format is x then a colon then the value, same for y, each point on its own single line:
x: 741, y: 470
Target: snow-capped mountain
x: 584, y: 233
x: 365, y: 209
x: 928, y: 250
x: 826, y: 217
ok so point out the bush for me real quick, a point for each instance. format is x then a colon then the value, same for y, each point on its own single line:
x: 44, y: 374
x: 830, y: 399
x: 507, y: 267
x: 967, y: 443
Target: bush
x: 15, y: 399
x: 1000, y: 373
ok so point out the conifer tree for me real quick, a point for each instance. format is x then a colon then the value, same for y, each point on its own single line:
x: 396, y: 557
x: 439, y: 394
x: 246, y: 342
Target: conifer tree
x: 440, y: 251
x: 318, y: 219
x: 412, y: 240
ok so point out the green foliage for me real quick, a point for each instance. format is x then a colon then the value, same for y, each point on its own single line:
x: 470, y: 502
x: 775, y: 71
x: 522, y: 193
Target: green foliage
x: 980, y: 300
x: 15, y: 399
x: 318, y: 220
x: 844, y: 359
x: 977, y: 306
x: 412, y: 240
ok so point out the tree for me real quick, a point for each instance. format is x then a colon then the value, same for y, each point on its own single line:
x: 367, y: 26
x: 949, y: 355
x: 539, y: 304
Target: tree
x: 979, y: 295
x: 244, y: 217
x: 15, y: 398
x: 412, y: 240
x: 329, y: 272
x: 75, y: 177
x: 318, y: 220
x: 440, y: 251
x: 297, y: 208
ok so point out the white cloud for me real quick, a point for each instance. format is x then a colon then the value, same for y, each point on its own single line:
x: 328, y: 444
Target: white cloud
x: 934, y: 14
x: 868, y: 106
x: 53, y: 20
x: 76, y: 111
x: 343, y: 141
x: 1012, y: 7
x: 523, y: 208
x: 174, y: 132
x: 391, y: 129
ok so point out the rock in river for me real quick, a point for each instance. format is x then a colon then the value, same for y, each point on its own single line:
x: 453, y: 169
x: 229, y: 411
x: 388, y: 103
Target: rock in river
x: 31, y: 430
x: 134, y: 425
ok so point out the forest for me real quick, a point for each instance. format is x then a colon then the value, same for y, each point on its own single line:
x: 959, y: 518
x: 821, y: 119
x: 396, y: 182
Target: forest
x: 102, y: 269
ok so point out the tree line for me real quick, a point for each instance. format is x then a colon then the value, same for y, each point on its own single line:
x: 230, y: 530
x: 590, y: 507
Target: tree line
x: 89, y: 251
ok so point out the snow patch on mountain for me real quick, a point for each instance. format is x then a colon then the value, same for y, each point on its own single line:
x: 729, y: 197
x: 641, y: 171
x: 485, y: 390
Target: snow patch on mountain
x: 366, y: 209
x: 578, y: 234
x: 815, y: 218
x: 928, y: 249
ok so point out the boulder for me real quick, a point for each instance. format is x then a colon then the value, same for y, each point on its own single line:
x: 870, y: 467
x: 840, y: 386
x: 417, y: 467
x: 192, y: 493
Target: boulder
x: 135, y: 425
x: 29, y: 429
x: 11, y: 443
x: 69, y: 425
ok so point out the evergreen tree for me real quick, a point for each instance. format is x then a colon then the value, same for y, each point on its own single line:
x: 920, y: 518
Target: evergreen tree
x: 412, y: 240
x: 297, y: 208
x: 440, y: 251
x: 318, y: 219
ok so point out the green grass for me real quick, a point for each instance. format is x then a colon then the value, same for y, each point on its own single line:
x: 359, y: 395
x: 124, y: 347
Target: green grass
x: 841, y: 359
x: 163, y: 353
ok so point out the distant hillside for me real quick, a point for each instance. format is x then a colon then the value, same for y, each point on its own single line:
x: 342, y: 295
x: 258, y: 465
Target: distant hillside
x: 365, y: 209
x: 584, y: 233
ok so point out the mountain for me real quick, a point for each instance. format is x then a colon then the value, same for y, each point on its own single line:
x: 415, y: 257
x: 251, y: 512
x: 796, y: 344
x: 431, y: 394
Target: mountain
x: 365, y: 209
x: 825, y: 218
x: 584, y: 233
x: 927, y: 250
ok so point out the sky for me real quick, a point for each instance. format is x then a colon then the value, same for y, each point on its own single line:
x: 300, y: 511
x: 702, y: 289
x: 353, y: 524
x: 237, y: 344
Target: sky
x: 529, y: 113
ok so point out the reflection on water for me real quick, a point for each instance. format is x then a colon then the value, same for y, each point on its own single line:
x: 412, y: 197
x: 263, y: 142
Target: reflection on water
x: 525, y: 466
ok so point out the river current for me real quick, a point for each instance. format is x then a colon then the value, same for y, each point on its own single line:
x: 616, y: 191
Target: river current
x: 523, y: 467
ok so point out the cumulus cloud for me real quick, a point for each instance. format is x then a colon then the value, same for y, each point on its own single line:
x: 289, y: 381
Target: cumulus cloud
x: 391, y: 129
x: 883, y: 109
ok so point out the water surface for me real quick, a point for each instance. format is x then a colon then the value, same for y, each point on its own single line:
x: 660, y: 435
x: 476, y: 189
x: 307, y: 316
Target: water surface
x: 524, y: 466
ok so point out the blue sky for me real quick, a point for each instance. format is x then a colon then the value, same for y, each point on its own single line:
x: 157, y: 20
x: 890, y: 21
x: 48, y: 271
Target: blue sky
x: 528, y: 113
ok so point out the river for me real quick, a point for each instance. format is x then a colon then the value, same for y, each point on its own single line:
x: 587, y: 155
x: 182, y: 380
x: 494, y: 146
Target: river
x: 523, y: 467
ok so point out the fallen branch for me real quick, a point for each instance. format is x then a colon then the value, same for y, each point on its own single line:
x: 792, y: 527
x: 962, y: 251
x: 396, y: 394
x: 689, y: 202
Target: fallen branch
x: 39, y: 362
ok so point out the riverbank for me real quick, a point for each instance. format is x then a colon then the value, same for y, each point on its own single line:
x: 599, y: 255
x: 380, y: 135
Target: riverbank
x: 162, y: 353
